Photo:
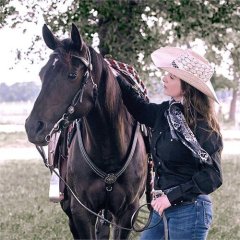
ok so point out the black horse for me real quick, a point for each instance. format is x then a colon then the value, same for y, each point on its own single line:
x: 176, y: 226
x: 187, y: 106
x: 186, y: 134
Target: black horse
x: 77, y: 83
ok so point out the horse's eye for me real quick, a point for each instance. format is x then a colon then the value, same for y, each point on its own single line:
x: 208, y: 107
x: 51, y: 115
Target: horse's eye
x: 72, y: 76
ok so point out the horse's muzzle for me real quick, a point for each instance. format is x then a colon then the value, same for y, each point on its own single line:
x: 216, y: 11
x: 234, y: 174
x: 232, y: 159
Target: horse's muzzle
x: 36, y: 131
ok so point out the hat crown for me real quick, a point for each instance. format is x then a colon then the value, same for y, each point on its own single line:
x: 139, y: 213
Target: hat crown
x: 195, y: 64
x: 187, y: 65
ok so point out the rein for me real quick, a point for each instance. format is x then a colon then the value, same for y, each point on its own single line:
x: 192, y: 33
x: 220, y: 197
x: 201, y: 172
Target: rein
x: 146, y: 227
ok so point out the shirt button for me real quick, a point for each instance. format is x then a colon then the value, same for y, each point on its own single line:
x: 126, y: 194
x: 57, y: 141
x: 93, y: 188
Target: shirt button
x: 160, y: 132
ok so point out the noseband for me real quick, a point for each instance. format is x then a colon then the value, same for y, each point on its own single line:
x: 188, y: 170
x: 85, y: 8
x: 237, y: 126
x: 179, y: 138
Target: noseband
x: 64, y: 120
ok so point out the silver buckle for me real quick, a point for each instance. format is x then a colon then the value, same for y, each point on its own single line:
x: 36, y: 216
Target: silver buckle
x: 157, y: 193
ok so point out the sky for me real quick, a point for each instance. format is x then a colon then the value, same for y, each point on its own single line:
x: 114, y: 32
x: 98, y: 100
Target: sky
x: 14, y: 39
x: 11, y: 70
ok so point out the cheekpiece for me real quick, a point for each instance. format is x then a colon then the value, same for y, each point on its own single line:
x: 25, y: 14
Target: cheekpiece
x: 193, y: 66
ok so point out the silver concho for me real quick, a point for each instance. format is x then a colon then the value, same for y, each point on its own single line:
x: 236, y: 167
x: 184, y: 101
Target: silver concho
x: 110, y: 178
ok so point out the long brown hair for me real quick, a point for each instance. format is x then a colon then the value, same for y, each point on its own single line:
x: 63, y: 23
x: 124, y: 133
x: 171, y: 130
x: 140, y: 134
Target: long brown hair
x: 197, y: 106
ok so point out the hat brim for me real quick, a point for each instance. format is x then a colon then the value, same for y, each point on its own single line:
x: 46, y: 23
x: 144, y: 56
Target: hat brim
x: 194, y: 81
x: 163, y: 58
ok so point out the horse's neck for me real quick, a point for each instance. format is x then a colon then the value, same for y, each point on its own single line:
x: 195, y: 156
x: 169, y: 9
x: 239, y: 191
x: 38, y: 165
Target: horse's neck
x: 103, y: 139
x: 107, y: 126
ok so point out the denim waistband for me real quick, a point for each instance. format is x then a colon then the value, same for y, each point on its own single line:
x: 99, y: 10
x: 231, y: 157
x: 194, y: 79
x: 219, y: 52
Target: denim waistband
x: 200, y: 197
x: 204, y: 197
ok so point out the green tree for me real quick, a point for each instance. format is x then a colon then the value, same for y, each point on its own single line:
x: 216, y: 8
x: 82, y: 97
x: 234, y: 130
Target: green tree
x: 217, y: 23
x: 122, y: 27
x: 124, y: 32
x: 130, y: 30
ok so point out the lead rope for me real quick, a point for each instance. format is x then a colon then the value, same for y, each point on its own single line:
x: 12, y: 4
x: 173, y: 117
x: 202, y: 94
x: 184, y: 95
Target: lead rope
x: 104, y: 219
x: 165, y: 225
x: 114, y: 177
x: 146, y: 227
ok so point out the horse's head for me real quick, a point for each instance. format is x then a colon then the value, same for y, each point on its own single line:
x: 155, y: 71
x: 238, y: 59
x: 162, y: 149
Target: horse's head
x: 67, y: 86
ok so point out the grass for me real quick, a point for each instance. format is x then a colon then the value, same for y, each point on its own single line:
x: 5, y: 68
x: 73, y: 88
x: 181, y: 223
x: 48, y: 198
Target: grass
x: 26, y: 212
x: 13, y: 139
x: 226, y: 223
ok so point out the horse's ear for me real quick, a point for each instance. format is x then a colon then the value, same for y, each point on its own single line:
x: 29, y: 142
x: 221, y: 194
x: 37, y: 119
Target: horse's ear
x: 76, y: 37
x: 51, y: 41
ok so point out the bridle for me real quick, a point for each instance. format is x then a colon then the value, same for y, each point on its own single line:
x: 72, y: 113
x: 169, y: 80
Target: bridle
x: 63, y: 122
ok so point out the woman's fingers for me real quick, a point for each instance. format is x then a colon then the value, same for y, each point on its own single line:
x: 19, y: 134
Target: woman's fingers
x: 160, y: 204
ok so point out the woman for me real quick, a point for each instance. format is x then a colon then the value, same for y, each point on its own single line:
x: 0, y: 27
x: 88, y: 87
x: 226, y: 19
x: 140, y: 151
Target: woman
x: 186, y: 144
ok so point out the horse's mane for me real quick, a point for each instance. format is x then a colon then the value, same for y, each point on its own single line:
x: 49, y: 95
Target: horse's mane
x: 112, y: 102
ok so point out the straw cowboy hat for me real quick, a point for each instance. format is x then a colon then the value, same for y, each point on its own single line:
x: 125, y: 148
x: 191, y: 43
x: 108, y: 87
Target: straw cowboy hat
x: 188, y: 66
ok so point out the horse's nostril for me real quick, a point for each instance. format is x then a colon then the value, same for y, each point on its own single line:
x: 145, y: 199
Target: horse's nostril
x: 40, y: 126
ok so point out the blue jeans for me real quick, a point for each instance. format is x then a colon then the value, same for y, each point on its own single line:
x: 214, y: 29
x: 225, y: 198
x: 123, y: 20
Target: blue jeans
x: 185, y: 222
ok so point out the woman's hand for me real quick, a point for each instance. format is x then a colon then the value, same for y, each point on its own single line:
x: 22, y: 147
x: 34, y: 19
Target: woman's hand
x: 160, y: 204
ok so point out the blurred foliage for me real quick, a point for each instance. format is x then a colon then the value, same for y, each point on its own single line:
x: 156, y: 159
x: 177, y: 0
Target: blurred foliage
x: 5, y: 11
x: 120, y: 25
x: 129, y: 30
x: 221, y: 82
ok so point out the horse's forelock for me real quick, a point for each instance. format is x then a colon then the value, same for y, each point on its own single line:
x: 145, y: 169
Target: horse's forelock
x: 67, y: 46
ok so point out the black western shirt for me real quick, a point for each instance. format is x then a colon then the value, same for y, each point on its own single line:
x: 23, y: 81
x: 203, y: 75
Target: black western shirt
x: 174, y: 164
